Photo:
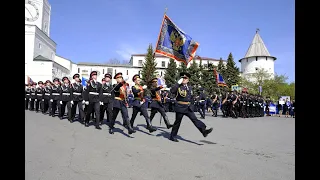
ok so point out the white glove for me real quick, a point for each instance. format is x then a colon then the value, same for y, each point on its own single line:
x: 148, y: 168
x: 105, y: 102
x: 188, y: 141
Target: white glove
x: 164, y: 86
x: 42, y: 99
x: 36, y: 100
x: 51, y: 100
x: 25, y: 98
x: 71, y: 102
x: 60, y: 102
x: 87, y: 102
x: 101, y: 103
x: 29, y: 99
x: 180, y: 81
x: 83, y: 101
x: 144, y: 87
x: 125, y: 78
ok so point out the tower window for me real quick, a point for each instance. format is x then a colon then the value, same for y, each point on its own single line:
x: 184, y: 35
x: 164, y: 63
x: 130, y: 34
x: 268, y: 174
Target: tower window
x: 256, y: 58
x: 161, y: 73
x: 102, y: 71
x: 39, y: 46
x: 127, y: 72
x: 257, y: 69
x: 78, y: 70
x: 266, y: 58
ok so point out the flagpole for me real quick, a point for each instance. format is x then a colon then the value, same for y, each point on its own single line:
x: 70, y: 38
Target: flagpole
x: 165, y: 12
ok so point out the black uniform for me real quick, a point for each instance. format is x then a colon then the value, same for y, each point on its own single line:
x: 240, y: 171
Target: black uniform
x: 93, y: 94
x: 76, y: 99
x: 39, y: 99
x: 202, y: 104
x: 243, y: 106
x: 215, y: 105
x: 232, y: 105
x: 65, y: 98
x: 119, y: 104
x: 27, y: 97
x: 55, y: 99
x: 157, y: 106
x: 182, y: 108
x: 224, y: 104
x: 33, y: 97
x: 47, y: 102
x: 261, y: 110
x: 139, y: 106
x: 107, y: 97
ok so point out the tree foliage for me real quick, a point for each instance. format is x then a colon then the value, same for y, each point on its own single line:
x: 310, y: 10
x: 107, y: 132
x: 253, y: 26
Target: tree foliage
x: 195, y: 74
x: 273, y: 87
x: 171, y: 72
x: 221, y: 68
x: 208, y: 80
x: 149, y: 66
x: 232, y: 73
x: 181, y: 68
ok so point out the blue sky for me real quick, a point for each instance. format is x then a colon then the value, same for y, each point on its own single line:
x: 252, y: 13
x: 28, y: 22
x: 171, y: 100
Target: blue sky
x: 99, y: 30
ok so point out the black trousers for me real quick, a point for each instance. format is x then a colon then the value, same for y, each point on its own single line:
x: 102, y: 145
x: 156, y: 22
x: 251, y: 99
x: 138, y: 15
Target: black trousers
x: 62, y: 109
x: 224, y: 109
x: 96, y: 107
x: 54, y: 106
x: 190, y: 114
x: 267, y: 111
x: 46, y: 106
x: 31, y: 105
x: 26, y: 103
x: 202, y: 110
x: 124, y: 113
x: 144, y: 113
x: 106, y: 108
x: 74, y: 106
x: 39, y: 104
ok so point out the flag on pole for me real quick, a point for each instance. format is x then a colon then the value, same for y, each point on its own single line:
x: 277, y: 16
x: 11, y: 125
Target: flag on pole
x: 219, y: 78
x: 174, y: 43
x: 29, y: 80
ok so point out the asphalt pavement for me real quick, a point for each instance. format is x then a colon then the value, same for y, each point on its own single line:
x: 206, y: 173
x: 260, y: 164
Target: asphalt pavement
x: 237, y: 149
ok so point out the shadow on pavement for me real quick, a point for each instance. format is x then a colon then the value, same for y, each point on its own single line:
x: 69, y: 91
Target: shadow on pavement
x: 165, y: 134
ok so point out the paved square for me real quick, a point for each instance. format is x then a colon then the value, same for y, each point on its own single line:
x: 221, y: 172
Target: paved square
x: 237, y: 149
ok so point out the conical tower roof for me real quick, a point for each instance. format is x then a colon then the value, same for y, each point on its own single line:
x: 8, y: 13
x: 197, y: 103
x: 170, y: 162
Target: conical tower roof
x: 257, y: 48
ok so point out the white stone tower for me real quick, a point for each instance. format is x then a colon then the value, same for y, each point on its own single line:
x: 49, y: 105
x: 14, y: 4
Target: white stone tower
x: 257, y: 57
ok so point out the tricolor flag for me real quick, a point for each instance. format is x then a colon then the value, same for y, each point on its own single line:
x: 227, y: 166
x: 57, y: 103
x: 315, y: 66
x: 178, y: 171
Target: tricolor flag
x: 29, y: 80
x: 219, y: 78
x: 174, y: 43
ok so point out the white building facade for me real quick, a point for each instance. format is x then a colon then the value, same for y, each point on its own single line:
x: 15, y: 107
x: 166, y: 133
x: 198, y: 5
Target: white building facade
x: 257, y: 57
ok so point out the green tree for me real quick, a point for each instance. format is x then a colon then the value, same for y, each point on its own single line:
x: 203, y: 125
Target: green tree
x: 209, y: 80
x: 232, y: 74
x: 171, y: 73
x: 221, y: 68
x: 180, y: 69
x: 195, y: 75
x: 149, y: 66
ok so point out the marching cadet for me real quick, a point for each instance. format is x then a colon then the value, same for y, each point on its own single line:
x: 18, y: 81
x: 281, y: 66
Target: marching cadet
x: 215, y: 104
x: 27, y: 96
x: 46, y: 97
x: 39, y: 99
x: 55, y: 97
x: 119, y: 104
x: 224, y: 104
x: 256, y: 106
x: 76, y: 99
x: 202, y: 103
x: 33, y: 96
x: 183, y: 98
x: 156, y: 105
x: 139, y: 103
x: 65, y: 98
x: 268, y: 102
x: 251, y: 106
x: 106, y: 98
x: 165, y: 100
x: 243, y: 105
x: 233, y: 98
x: 93, y: 101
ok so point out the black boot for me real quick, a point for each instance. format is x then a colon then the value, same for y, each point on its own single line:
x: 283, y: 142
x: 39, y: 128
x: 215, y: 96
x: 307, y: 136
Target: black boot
x: 110, y: 130
x: 167, y: 122
x: 206, y: 132
x: 149, y: 126
x: 173, y: 139
x: 130, y: 129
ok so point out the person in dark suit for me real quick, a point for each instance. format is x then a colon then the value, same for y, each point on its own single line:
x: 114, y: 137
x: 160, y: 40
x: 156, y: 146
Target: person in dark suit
x: 139, y: 103
x: 156, y: 105
x: 202, y: 103
x: 106, y: 98
x: 182, y: 107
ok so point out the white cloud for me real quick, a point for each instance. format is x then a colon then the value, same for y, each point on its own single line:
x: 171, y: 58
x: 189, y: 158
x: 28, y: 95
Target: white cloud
x: 126, y: 50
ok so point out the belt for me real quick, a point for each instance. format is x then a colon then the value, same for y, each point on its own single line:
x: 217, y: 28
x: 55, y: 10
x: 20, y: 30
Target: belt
x: 156, y: 99
x: 39, y: 94
x: 140, y: 99
x: 202, y: 100
x: 75, y: 93
x: 118, y: 98
x: 56, y: 94
x: 94, y: 93
x: 66, y: 94
x: 47, y: 94
x: 107, y: 94
x: 33, y: 93
x: 27, y: 93
x: 183, y: 102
